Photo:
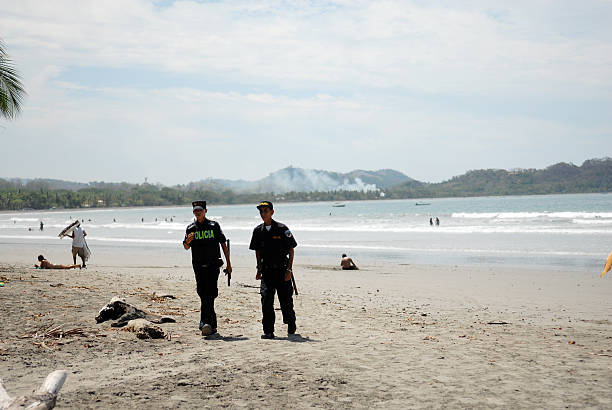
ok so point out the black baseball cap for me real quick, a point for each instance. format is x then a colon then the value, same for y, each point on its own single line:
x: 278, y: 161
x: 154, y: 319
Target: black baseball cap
x: 199, y: 205
x: 264, y: 204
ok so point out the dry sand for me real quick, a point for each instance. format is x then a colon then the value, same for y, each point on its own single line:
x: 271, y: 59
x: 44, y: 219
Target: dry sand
x: 384, y: 336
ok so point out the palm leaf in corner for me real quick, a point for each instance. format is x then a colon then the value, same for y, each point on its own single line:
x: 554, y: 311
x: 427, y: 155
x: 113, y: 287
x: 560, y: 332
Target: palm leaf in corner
x: 11, y: 90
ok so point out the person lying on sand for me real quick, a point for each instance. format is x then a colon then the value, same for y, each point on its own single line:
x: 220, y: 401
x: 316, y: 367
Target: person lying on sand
x: 347, y: 263
x: 45, y: 264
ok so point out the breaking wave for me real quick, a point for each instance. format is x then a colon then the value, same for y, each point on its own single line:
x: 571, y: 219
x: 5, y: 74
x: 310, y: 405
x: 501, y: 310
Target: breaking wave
x: 531, y: 215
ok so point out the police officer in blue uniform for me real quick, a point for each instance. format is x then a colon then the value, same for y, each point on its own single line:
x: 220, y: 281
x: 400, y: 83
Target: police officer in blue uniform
x: 203, y: 237
x: 273, y: 244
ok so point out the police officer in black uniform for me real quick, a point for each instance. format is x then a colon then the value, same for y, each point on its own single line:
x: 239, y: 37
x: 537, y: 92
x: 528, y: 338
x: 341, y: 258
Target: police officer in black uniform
x: 273, y: 244
x: 203, y: 237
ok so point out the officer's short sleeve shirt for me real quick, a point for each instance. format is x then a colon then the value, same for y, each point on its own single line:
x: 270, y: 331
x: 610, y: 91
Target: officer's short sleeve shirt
x: 274, y: 245
x: 207, y: 237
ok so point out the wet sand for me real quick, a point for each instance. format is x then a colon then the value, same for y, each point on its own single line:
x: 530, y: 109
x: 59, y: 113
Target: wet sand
x: 385, y: 336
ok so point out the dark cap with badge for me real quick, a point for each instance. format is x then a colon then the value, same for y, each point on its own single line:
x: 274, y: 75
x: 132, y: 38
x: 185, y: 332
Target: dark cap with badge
x: 199, y: 205
x: 265, y: 204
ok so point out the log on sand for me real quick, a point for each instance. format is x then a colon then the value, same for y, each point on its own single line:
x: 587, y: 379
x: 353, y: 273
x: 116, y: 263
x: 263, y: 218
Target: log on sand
x: 42, y: 399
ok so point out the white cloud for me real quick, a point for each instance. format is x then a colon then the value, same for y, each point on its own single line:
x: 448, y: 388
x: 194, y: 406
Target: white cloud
x: 333, y: 84
x: 388, y: 44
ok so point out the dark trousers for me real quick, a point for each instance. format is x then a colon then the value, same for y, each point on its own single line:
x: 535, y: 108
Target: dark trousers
x: 206, y: 280
x: 285, y: 296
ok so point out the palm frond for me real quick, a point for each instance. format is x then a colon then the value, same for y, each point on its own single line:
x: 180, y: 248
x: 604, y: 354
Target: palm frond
x: 11, y: 89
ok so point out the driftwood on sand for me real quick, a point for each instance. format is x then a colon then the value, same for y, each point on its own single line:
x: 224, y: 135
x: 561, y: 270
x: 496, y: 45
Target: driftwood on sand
x: 43, y: 398
x: 52, y: 335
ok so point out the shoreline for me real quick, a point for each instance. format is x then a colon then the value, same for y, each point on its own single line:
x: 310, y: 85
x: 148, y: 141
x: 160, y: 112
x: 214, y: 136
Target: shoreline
x: 389, y: 336
x: 111, y: 255
x: 151, y: 254
x: 305, y: 201
x: 546, y: 233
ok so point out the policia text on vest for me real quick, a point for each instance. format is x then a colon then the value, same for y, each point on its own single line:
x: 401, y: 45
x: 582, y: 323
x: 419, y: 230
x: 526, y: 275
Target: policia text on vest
x: 208, y: 234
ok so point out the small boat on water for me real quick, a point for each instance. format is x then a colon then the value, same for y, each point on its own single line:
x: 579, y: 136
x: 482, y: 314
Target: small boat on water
x: 338, y: 205
x: 422, y: 203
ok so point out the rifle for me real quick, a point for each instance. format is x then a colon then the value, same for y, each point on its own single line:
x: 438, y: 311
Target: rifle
x: 294, y: 285
x: 229, y: 277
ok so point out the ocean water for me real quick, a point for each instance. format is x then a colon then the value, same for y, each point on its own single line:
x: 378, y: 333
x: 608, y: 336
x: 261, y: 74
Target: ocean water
x: 572, y: 232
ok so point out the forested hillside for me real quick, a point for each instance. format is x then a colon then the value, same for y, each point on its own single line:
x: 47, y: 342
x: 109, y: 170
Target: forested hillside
x: 592, y: 176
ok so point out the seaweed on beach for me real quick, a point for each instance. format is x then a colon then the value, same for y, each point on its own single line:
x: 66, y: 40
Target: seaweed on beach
x: 3, y: 350
x: 171, y: 311
x: 161, y: 297
x: 53, y: 335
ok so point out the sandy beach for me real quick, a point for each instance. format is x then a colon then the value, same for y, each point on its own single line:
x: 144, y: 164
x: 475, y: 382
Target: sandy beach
x: 385, y: 336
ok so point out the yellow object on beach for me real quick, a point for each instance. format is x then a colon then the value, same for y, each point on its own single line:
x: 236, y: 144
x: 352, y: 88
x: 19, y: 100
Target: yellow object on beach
x: 608, y: 265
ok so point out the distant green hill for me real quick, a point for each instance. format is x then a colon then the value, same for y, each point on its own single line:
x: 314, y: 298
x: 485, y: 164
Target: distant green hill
x: 593, y: 175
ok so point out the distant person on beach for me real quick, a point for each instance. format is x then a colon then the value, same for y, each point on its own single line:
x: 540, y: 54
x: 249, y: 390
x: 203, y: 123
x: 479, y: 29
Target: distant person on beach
x: 273, y: 244
x: 437, y: 221
x: 430, y: 221
x: 42, y: 225
x: 45, y: 264
x: 347, y: 263
x: 203, y: 237
x: 78, y: 244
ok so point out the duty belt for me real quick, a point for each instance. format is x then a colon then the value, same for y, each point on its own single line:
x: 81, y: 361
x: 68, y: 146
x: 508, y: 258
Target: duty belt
x: 210, y: 264
x: 275, y: 266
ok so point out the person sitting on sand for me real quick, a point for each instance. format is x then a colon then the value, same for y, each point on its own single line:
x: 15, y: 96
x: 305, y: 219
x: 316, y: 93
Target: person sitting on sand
x: 347, y: 263
x: 45, y: 264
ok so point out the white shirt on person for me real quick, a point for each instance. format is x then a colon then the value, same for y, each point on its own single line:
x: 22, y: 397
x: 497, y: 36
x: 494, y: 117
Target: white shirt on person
x: 79, y: 238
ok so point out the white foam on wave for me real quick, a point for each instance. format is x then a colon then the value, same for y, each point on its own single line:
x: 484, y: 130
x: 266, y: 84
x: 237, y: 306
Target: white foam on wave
x: 573, y: 227
x: 342, y: 246
x: 30, y: 237
x: 238, y: 228
x: 592, y: 221
x: 531, y: 215
x: 20, y: 227
x: 100, y: 239
x: 469, y: 229
x: 138, y: 240
x: 163, y: 225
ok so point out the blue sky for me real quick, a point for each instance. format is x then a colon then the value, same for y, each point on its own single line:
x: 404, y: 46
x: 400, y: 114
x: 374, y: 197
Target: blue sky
x: 178, y: 91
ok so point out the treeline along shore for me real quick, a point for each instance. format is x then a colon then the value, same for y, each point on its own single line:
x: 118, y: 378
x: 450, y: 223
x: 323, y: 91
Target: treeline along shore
x: 592, y: 176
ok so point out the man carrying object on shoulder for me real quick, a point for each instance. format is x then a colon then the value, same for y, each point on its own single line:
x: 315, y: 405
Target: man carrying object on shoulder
x: 78, y: 244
